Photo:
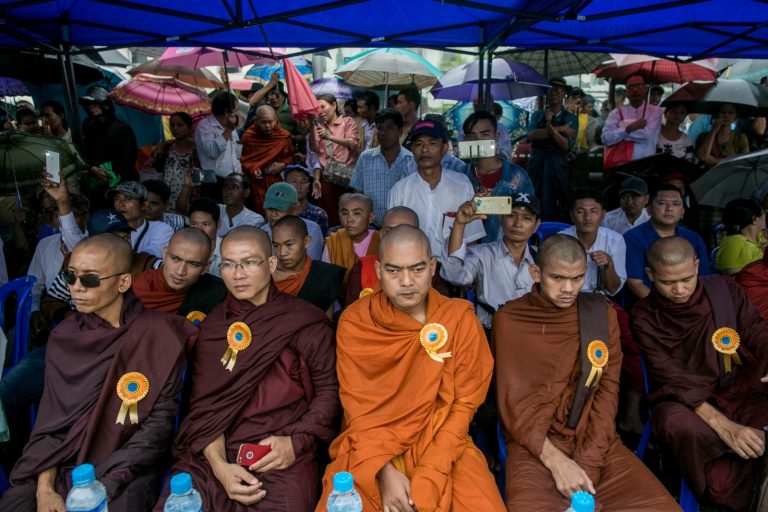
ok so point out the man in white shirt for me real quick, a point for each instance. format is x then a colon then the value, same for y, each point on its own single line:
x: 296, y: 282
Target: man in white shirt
x: 606, y: 264
x: 498, y: 270
x: 217, y: 144
x: 237, y: 187
x: 367, y: 107
x: 633, y: 198
x: 433, y: 194
x: 205, y: 215
x: 147, y: 236
x: 638, y: 121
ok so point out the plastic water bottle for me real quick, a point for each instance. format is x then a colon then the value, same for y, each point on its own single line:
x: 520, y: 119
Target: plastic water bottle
x: 582, y: 502
x: 344, y: 498
x: 87, y: 494
x: 183, y: 497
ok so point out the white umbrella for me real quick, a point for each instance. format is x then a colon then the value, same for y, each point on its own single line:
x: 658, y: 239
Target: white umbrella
x: 388, y: 67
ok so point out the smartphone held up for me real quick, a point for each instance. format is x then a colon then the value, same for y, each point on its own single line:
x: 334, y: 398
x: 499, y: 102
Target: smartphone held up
x: 53, y: 166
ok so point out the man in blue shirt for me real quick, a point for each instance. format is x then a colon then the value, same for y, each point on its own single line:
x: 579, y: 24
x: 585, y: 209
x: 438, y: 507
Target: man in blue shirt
x: 666, y: 209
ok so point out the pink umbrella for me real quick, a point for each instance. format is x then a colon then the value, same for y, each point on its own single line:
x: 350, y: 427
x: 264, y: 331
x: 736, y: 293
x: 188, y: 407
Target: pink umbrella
x: 161, y: 95
x: 301, y: 99
x: 241, y: 84
x: 200, y: 57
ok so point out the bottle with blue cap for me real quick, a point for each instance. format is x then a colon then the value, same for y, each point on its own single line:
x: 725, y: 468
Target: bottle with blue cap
x: 344, y: 498
x: 87, y: 494
x: 183, y: 498
x: 582, y: 502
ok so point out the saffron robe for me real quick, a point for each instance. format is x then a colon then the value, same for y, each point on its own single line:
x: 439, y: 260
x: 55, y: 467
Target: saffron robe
x: 152, y: 289
x: 259, y: 152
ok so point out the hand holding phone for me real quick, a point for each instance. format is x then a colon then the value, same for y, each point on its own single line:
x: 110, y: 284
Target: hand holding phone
x: 250, y: 453
x: 53, y: 166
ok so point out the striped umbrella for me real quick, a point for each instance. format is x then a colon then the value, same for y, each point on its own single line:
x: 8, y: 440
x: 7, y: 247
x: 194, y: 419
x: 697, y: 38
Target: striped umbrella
x: 551, y: 63
x: 161, y: 95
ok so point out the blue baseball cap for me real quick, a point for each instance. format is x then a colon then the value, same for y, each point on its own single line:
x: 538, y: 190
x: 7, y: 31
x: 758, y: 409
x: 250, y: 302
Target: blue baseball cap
x: 107, y: 221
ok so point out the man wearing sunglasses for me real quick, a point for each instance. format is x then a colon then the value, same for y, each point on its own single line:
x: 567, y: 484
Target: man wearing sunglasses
x: 182, y: 285
x: 263, y: 373
x: 113, y: 376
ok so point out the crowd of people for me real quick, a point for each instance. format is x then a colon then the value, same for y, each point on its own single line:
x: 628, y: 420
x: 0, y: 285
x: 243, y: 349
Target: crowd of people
x: 331, y: 291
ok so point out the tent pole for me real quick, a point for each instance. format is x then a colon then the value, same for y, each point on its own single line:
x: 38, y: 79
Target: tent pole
x: 480, y: 77
x: 546, y: 64
x: 489, y: 80
x: 70, y: 93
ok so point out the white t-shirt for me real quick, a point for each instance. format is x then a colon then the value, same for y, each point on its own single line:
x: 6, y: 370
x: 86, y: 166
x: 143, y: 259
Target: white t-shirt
x: 680, y: 148
x: 245, y: 217
x: 155, y: 237
x: 432, y: 206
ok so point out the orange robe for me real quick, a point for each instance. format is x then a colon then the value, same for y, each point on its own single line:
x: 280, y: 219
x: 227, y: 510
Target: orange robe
x: 401, y: 406
x: 259, y: 152
x: 292, y: 284
x: 537, y: 370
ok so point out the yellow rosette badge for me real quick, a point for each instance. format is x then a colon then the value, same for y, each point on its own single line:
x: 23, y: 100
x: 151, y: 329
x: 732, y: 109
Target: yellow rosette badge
x: 433, y: 337
x: 727, y: 341
x: 131, y: 388
x: 196, y: 317
x: 597, y: 353
x: 238, y: 338
x: 365, y: 292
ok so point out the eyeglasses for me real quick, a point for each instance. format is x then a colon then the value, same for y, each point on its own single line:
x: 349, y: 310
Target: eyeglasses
x: 87, y: 280
x: 247, y: 265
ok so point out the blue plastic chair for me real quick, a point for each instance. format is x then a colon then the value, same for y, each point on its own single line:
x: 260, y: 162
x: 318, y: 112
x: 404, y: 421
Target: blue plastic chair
x: 502, y: 459
x: 712, y: 260
x: 688, y: 501
x: 550, y: 228
x: 4, y: 483
x: 22, y: 288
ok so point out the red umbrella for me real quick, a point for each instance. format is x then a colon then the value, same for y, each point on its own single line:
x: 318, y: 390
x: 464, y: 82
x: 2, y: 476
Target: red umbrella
x: 656, y: 70
x: 301, y: 99
x: 161, y: 95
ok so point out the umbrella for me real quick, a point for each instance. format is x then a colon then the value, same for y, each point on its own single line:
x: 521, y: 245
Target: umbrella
x: 200, y: 57
x: 197, y: 77
x: 652, y: 168
x: 22, y: 159
x: 241, y: 84
x: 301, y: 99
x: 263, y: 72
x: 161, y: 95
x: 388, y: 67
x: 333, y: 85
x: 559, y: 62
x: 656, y: 70
x: 736, y: 177
x: 12, y: 87
x: 509, y: 80
x: 44, y: 69
x: 708, y: 97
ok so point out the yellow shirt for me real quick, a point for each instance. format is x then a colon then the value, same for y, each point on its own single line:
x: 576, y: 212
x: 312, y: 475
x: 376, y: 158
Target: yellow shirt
x: 738, y: 251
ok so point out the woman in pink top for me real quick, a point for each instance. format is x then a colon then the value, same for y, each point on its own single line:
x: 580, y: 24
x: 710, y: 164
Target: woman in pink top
x: 340, y: 135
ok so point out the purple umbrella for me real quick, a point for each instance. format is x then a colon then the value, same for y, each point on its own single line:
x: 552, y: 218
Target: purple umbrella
x: 509, y: 81
x: 334, y: 85
x: 12, y: 87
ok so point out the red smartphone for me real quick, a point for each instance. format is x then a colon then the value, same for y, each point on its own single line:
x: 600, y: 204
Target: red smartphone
x: 249, y: 454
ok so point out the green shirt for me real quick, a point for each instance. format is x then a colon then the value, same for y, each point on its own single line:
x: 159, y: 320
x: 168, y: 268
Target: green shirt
x: 738, y: 251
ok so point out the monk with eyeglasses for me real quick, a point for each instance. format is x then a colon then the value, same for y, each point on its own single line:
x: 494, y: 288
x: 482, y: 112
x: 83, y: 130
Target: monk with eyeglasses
x: 112, y: 380
x: 264, y: 393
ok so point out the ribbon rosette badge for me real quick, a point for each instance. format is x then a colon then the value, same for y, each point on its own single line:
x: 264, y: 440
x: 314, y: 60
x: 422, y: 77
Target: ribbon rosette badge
x: 727, y: 341
x: 597, y: 353
x: 196, y: 317
x: 238, y: 338
x: 365, y: 292
x: 131, y: 388
x: 433, y: 337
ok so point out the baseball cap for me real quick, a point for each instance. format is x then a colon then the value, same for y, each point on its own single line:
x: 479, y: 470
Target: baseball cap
x: 521, y: 199
x: 280, y: 196
x: 131, y: 189
x: 296, y: 167
x: 107, y: 221
x: 434, y: 129
x: 635, y: 185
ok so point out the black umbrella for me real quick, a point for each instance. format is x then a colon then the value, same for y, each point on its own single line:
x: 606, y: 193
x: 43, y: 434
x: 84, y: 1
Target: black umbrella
x: 653, y: 168
x: 736, y: 177
x: 36, y: 68
x: 708, y: 97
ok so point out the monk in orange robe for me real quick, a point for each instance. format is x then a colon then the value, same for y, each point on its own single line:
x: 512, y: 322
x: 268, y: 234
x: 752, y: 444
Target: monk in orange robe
x: 413, y: 367
x: 558, y: 360
x: 267, y: 150
x: 754, y: 279
x: 355, y: 239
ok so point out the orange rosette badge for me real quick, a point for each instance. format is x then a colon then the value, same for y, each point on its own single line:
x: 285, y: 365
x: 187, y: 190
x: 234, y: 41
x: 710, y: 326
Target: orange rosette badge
x: 433, y: 337
x: 597, y: 353
x: 131, y: 389
x: 365, y: 292
x: 238, y: 338
x: 196, y: 317
x: 727, y: 341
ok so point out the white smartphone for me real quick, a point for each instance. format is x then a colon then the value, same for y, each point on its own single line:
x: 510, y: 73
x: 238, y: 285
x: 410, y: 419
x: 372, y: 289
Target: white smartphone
x: 470, y: 149
x: 53, y: 166
x: 493, y: 205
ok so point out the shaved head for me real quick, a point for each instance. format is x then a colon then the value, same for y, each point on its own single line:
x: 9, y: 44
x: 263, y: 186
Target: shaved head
x: 404, y: 235
x: 292, y: 222
x: 117, y: 252
x: 265, y: 111
x: 564, y: 248
x: 355, y: 196
x: 669, y: 252
x: 249, y: 234
x: 193, y: 236
x: 396, y: 216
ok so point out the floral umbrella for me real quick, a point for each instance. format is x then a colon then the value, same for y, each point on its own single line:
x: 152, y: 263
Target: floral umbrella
x: 161, y: 95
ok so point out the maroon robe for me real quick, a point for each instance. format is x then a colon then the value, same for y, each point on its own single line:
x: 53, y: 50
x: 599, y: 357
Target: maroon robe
x: 754, y: 279
x: 283, y: 384
x: 685, y: 371
x: 85, y: 359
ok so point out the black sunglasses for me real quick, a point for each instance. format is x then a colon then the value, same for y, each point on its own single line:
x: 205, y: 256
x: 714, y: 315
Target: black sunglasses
x: 87, y: 280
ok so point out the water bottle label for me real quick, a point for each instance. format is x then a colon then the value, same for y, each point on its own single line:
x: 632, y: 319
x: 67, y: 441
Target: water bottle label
x: 101, y: 507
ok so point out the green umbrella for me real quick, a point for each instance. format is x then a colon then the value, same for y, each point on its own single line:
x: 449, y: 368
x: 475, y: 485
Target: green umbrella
x: 22, y: 159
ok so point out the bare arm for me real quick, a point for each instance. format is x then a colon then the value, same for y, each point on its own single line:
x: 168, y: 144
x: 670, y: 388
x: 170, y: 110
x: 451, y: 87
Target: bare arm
x: 240, y: 485
x: 568, y: 475
x: 637, y: 287
x: 747, y: 442
x: 48, y: 500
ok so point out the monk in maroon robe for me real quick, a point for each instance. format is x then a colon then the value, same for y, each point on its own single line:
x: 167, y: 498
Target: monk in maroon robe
x: 754, y: 279
x: 112, y: 381
x: 706, y: 351
x: 558, y: 360
x: 262, y: 372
